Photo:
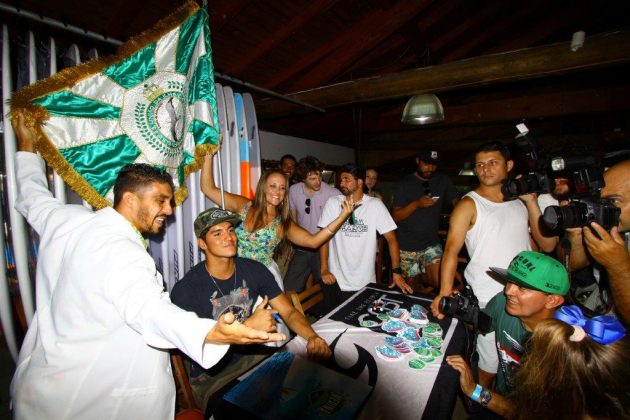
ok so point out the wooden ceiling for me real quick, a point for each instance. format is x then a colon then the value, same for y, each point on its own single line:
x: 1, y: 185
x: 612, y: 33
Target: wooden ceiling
x: 492, y: 63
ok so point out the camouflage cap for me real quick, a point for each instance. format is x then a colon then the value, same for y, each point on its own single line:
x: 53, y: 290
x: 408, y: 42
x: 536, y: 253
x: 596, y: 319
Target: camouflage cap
x: 211, y: 217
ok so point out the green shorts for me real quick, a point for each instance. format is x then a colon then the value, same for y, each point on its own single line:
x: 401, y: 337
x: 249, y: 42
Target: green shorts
x: 414, y: 263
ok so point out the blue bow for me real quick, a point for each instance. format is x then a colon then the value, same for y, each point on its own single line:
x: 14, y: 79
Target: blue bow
x: 603, y: 329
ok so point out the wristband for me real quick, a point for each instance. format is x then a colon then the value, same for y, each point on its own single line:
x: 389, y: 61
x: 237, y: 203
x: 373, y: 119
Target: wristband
x: 329, y: 231
x: 475, y: 395
x: 397, y: 270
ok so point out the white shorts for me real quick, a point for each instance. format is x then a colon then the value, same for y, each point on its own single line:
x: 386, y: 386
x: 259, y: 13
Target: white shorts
x: 487, y: 349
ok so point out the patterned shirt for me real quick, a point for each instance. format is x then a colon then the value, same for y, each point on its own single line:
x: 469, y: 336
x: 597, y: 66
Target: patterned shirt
x: 258, y: 245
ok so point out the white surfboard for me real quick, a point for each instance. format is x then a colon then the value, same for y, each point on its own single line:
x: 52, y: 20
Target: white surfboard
x: 226, y: 162
x: 254, y: 140
x: 231, y: 139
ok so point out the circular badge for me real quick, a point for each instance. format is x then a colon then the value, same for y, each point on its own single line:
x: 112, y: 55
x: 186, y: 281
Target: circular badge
x: 155, y: 116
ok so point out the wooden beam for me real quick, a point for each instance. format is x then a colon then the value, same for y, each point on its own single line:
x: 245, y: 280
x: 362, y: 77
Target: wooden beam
x: 598, y: 51
x: 510, y: 110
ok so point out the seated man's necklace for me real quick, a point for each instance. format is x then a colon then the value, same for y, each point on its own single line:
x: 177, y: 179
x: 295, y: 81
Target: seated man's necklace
x: 215, y: 282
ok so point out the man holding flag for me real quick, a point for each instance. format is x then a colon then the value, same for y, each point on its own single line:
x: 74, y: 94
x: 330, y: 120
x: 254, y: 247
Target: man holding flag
x: 96, y: 347
x: 117, y: 130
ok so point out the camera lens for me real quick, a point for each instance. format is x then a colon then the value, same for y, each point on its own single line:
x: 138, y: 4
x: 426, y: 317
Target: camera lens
x: 447, y: 305
x: 573, y: 215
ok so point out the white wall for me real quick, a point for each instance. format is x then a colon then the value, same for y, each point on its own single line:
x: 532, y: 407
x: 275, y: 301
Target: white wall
x: 273, y: 146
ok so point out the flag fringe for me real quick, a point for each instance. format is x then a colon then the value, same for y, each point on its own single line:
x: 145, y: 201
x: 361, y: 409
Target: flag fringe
x: 35, y: 116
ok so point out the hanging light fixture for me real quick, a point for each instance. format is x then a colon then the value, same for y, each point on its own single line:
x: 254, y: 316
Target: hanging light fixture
x: 423, y: 109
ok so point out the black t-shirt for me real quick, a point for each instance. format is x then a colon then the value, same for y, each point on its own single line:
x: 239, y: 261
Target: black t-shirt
x: 210, y: 297
x: 419, y: 230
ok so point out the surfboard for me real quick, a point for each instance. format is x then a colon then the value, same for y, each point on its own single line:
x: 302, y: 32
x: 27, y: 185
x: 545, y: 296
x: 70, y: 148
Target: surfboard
x: 226, y: 161
x: 232, y: 142
x: 254, y: 140
x: 243, y: 144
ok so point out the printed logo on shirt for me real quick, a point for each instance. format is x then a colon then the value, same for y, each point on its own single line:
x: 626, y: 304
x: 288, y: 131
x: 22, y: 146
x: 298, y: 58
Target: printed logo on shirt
x: 509, y: 357
x: 354, y: 229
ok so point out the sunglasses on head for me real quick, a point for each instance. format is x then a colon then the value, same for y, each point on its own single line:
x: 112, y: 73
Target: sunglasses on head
x: 307, y: 210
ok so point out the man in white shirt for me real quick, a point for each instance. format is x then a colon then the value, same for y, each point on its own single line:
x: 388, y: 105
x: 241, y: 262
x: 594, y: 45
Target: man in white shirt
x: 347, y: 260
x: 96, y: 347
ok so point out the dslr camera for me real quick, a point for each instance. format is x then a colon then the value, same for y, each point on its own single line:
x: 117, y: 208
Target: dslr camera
x: 586, y: 179
x: 529, y: 163
x: 465, y: 307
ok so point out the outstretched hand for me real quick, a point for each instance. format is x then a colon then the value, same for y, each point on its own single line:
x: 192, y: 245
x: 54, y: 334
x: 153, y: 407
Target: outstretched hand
x: 229, y: 331
x: 347, y: 207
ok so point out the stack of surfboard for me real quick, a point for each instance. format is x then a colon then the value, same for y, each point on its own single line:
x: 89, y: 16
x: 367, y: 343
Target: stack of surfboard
x: 177, y: 251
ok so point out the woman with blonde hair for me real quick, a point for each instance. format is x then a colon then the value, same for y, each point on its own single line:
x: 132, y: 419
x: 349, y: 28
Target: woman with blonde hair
x: 266, y: 220
x: 575, y: 368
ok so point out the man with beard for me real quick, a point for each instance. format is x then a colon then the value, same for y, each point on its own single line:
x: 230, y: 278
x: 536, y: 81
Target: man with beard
x: 493, y: 231
x: 609, y: 249
x: 418, y: 201
x: 307, y: 200
x: 347, y: 260
x: 535, y: 287
x: 287, y: 166
x: 96, y: 347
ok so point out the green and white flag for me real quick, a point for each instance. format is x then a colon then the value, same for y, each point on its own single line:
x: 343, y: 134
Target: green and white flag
x: 154, y: 102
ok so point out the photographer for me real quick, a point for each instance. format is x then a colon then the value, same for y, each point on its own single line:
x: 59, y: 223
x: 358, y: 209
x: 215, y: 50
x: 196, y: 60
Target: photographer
x: 535, y: 287
x: 608, y: 248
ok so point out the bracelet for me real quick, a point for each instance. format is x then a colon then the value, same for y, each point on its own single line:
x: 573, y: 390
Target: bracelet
x: 329, y: 231
x: 475, y: 395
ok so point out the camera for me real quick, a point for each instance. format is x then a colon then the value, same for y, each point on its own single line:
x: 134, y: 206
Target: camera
x: 528, y: 162
x: 465, y: 307
x: 586, y: 179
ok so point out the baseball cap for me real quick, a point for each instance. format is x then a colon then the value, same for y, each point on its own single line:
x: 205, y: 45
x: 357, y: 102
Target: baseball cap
x: 213, y: 216
x: 537, y: 271
x: 429, y: 156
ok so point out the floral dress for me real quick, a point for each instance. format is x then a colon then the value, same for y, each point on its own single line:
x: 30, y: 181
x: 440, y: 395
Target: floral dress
x: 258, y: 245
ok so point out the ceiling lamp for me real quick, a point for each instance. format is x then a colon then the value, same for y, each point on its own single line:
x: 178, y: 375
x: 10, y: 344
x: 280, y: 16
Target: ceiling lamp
x: 423, y: 109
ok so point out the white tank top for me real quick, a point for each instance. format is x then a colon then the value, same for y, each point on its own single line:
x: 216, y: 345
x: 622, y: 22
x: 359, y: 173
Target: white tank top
x: 501, y: 231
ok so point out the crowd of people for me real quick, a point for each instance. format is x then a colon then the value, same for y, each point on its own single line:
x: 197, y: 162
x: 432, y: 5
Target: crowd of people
x: 96, y: 345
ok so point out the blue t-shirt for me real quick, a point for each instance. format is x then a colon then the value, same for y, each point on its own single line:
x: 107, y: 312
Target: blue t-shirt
x: 210, y: 297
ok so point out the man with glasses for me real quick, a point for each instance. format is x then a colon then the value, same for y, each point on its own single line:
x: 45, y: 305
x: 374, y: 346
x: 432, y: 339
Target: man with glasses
x: 493, y: 231
x: 347, y: 260
x: 307, y: 200
x: 418, y: 202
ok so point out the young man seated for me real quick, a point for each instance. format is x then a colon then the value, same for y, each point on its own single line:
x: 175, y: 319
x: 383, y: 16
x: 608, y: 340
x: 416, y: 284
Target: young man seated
x: 226, y: 283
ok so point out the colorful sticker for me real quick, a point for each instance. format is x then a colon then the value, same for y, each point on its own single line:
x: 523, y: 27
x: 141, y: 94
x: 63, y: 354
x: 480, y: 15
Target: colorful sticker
x: 416, y: 364
x: 393, y: 325
x: 387, y: 353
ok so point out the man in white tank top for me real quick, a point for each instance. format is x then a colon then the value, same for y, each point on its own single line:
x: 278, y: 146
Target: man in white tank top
x: 494, y: 231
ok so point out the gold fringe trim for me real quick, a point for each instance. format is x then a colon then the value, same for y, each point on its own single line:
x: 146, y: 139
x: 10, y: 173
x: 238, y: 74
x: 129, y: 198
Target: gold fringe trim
x: 35, y: 116
x: 200, y: 152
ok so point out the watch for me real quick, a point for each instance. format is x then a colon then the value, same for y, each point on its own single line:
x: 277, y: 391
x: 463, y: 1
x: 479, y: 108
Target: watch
x: 485, y: 397
x: 397, y: 270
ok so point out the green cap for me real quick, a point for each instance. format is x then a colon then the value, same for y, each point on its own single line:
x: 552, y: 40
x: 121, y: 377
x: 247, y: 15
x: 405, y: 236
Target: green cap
x: 537, y: 271
x: 213, y: 216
